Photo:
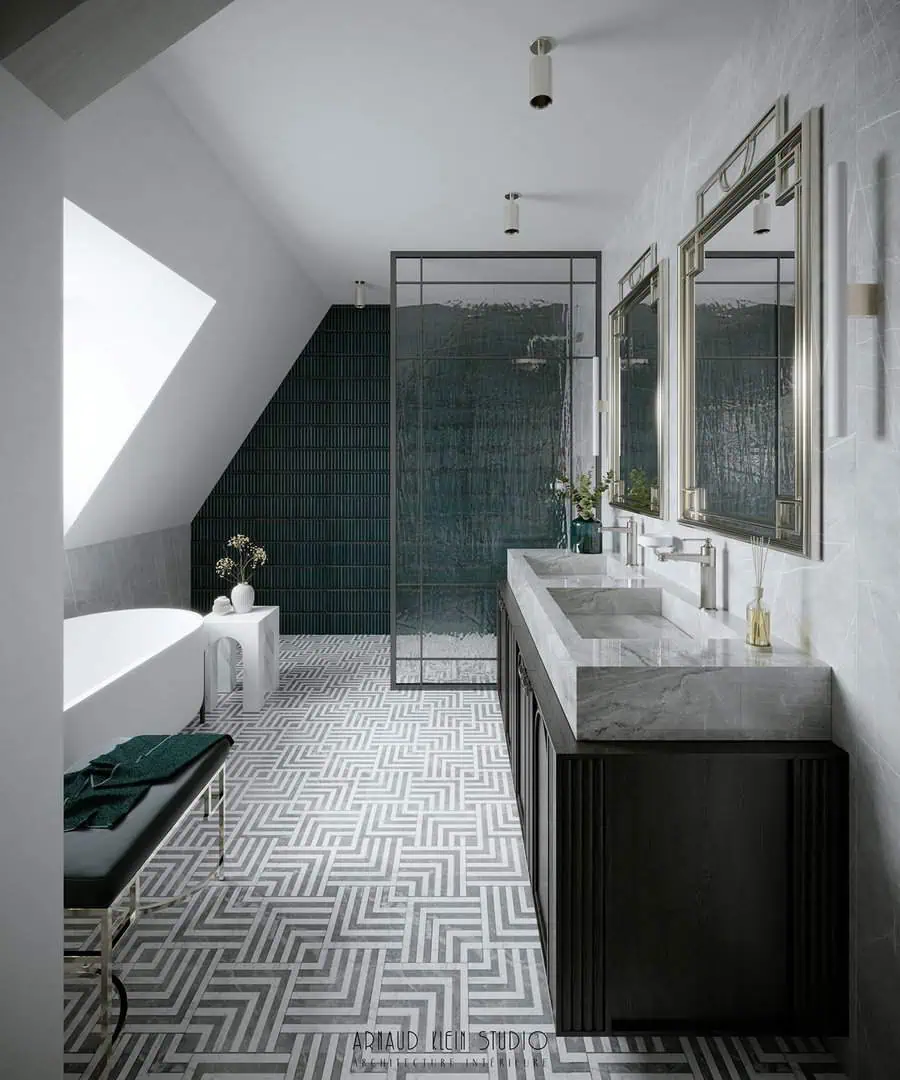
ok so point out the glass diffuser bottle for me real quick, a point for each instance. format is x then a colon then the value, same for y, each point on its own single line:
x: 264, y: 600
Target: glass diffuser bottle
x: 758, y: 621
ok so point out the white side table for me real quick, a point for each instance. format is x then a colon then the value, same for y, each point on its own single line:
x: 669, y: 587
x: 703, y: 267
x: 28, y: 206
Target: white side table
x: 257, y: 634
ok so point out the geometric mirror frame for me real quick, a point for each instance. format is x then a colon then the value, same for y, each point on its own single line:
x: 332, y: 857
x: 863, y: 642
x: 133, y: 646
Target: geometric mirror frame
x: 637, y: 387
x: 750, y: 334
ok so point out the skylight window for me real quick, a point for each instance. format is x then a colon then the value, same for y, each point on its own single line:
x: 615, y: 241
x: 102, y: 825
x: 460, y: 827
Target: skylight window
x: 127, y: 321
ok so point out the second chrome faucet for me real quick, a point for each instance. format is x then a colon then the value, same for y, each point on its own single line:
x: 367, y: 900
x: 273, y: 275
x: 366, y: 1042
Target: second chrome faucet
x: 706, y: 557
x: 630, y: 528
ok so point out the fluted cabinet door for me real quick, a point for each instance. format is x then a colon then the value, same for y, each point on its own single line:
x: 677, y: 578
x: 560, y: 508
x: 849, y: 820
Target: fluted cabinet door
x: 544, y: 829
x: 525, y: 761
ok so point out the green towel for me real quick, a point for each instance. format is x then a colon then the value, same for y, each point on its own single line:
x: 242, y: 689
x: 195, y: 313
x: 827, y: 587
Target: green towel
x: 101, y: 794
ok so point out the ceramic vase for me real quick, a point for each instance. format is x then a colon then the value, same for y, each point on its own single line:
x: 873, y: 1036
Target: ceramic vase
x: 242, y: 598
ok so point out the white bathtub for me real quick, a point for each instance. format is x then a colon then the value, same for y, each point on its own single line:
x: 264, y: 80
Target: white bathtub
x: 126, y: 673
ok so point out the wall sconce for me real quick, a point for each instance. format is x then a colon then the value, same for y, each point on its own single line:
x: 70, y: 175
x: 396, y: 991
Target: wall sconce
x: 359, y: 299
x: 762, y: 215
x: 595, y: 411
x: 843, y: 299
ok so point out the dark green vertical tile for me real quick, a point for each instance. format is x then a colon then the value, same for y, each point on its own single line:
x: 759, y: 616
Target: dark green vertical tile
x: 311, y: 483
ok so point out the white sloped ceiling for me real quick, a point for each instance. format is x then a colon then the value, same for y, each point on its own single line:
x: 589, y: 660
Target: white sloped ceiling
x: 133, y: 164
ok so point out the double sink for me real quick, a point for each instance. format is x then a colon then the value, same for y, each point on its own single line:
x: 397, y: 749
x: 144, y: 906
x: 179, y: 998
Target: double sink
x: 617, y: 613
x: 632, y: 656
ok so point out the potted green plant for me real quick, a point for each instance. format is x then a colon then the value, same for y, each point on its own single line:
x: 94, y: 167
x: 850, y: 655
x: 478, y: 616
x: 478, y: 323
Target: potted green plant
x: 585, y: 497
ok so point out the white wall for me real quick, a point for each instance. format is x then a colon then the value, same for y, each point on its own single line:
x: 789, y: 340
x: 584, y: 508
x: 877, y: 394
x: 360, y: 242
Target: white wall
x: 844, y: 56
x: 132, y: 161
x: 31, y: 522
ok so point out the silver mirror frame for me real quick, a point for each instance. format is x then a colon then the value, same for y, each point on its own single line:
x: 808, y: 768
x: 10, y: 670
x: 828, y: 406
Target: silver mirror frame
x: 646, y: 275
x: 794, y: 164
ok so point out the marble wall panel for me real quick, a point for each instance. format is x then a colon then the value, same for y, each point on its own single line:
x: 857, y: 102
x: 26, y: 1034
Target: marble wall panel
x: 843, y: 55
x: 149, y: 570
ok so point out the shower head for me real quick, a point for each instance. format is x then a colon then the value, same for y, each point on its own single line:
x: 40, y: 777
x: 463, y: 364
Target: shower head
x: 531, y: 362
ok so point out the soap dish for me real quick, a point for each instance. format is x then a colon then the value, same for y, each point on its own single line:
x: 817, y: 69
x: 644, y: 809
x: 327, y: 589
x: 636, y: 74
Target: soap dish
x: 651, y: 541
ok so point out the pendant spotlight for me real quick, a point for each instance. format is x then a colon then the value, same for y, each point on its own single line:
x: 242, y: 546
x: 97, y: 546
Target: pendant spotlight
x: 762, y: 215
x: 511, y: 228
x: 540, y: 74
x: 360, y: 297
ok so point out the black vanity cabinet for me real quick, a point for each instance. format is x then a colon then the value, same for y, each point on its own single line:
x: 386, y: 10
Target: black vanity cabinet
x: 678, y: 886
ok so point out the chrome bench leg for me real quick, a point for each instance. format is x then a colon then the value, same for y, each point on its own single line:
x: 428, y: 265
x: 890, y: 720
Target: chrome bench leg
x: 221, y: 817
x: 105, y: 981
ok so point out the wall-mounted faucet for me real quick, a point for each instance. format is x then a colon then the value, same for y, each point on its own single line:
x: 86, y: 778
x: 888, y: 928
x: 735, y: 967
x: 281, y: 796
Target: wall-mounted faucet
x: 630, y: 528
x: 706, y: 557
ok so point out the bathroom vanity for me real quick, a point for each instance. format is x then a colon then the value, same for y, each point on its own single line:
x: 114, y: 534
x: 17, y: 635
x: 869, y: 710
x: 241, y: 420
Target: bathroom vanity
x: 684, y: 811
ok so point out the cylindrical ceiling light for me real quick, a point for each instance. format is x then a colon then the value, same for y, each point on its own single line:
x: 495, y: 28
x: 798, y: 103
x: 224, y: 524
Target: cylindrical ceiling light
x: 360, y: 295
x: 540, y: 74
x: 511, y: 226
x: 762, y: 215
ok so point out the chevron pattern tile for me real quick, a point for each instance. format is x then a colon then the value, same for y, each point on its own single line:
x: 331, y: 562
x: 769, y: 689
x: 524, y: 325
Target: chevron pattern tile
x: 375, y: 887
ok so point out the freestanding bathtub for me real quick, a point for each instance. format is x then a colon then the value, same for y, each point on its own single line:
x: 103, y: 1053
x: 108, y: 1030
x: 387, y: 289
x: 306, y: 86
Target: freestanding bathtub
x: 132, y: 672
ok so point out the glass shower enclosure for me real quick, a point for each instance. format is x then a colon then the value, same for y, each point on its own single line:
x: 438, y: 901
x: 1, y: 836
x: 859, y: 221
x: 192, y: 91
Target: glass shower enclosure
x: 491, y: 358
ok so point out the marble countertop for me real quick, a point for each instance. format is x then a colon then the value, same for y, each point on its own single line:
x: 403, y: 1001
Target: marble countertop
x: 697, y: 680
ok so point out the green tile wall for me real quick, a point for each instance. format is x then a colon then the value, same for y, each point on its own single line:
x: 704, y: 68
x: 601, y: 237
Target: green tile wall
x: 311, y: 484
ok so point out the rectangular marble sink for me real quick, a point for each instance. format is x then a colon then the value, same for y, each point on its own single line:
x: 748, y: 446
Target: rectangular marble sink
x: 564, y: 567
x: 620, y: 614
x: 631, y: 655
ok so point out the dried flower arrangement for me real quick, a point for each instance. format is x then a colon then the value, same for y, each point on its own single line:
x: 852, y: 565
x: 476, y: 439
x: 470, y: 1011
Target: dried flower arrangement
x: 250, y: 557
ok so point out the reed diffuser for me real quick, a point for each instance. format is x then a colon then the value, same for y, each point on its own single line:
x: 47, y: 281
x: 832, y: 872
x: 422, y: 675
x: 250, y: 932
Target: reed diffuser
x: 758, y: 618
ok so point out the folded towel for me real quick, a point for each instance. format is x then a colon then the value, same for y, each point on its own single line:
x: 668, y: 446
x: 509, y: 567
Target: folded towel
x: 107, y: 788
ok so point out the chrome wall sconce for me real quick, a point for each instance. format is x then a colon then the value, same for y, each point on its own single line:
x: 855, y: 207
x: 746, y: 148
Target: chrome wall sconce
x: 359, y: 299
x: 596, y: 406
x: 762, y: 215
x: 843, y: 299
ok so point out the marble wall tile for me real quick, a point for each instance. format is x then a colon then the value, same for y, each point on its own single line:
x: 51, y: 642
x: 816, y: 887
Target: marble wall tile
x: 843, y: 55
x: 149, y: 570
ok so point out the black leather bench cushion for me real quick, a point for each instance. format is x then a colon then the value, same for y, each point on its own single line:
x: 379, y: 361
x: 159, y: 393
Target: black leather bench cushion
x: 99, y: 863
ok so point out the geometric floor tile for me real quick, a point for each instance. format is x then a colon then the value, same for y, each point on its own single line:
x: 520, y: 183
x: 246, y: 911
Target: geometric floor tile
x: 375, y: 919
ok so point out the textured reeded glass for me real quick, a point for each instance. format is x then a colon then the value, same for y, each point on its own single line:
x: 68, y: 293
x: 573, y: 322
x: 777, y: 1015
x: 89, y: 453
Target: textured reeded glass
x: 744, y: 319
x: 639, y: 377
x: 483, y: 401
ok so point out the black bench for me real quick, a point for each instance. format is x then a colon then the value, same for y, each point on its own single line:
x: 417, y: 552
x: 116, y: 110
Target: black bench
x: 100, y: 865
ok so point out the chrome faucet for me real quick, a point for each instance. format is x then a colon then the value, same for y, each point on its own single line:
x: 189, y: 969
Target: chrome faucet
x: 630, y: 528
x: 707, y: 560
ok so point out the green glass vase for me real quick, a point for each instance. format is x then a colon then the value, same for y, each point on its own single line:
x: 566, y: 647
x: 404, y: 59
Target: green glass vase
x: 585, y: 538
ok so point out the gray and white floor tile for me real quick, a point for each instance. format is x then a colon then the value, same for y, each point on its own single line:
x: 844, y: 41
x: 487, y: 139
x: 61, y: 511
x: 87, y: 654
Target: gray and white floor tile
x: 375, y: 886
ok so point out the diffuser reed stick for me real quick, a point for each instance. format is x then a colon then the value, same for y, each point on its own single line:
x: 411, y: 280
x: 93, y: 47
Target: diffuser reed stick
x: 758, y: 618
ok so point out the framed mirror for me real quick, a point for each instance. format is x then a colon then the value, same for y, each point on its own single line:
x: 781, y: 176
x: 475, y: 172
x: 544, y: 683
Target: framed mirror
x: 638, y: 334
x: 749, y: 281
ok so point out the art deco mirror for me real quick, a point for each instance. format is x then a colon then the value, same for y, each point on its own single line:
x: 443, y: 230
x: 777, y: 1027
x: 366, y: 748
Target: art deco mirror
x: 749, y: 325
x: 638, y: 334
